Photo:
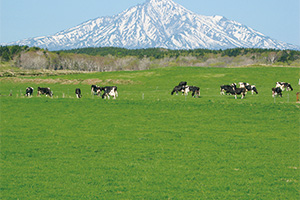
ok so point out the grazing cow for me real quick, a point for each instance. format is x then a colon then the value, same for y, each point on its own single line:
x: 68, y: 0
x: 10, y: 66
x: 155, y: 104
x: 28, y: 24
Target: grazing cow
x: 110, y: 91
x: 225, y: 88
x: 46, y: 91
x: 276, y: 91
x: 96, y: 90
x: 284, y: 85
x: 29, y: 91
x: 251, y: 88
x: 180, y: 88
x: 195, y: 91
x: 78, y: 93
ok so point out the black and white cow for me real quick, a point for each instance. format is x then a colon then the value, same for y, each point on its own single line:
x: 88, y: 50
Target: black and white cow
x: 110, y: 91
x: 284, y: 85
x: 96, y: 90
x: 251, y: 88
x: 225, y: 89
x: 181, y: 87
x: 78, y: 93
x: 195, y: 91
x: 46, y: 91
x: 29, y: 91
x: 276, y: 91
x: 248, y: 87
x: 237, y: 91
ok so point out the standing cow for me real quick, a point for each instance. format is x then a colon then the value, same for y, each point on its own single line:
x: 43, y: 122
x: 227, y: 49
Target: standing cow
x: 29, y: 91
x: 225, y: 89
x: 110, y: 91
x: 195, y: 91
x: 237, y: 91
x: 96, y: 90
x: 251, y: 88
x: 78, y: 93
x: 276, y: 91
x: 284, y: 85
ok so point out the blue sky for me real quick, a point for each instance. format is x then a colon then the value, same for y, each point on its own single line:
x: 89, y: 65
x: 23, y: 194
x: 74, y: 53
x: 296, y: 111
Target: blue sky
x: 20, y: 19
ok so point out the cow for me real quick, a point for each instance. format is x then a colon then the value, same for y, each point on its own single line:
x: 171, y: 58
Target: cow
x: 46, y: 91
x: 96, y: 90
x: 237, y: 91
x: 78, y: 93
x: 110, y: 91
x: 195, y: 91
x: 225, y: 88
x: 284, y: 85
x: 180, y: 88
x: 276, y: 91
x: 29, y: 91
x: 251, y: 88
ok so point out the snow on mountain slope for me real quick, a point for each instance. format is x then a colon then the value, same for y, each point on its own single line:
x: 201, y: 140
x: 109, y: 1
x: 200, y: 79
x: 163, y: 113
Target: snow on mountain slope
x: 158, y: 23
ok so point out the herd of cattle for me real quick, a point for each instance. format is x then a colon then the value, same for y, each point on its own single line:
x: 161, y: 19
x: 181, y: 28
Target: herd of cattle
x: 232, y: 89
x: 111, y: 91
x: 108, y: 91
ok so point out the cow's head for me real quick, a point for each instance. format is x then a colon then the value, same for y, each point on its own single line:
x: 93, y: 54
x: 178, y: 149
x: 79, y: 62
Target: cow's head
x: 289, y: 86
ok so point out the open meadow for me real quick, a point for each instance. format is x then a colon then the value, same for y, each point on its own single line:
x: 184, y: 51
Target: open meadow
x: 148, y: 144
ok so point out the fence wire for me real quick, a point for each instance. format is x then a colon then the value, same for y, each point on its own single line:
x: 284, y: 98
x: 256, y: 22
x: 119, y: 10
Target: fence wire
x: 156, y: 93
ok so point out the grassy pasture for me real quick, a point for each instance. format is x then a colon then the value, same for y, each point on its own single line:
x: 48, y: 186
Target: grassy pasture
x: 147, y: 144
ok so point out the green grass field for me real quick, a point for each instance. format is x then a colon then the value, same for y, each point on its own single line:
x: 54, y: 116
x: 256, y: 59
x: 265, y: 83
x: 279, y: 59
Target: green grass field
x: 147, y: 144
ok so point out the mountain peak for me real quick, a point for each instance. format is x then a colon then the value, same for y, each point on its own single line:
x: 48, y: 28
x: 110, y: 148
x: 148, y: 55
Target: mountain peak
x: 158, y: 24
x: 159, y: 1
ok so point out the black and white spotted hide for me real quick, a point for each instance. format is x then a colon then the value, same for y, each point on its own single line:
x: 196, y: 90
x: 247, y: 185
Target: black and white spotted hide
x: 96, y: 90
x: 78, y: 93
x: 110, y: 91
x: 46, y: 91
x: 195, y: 91
x: 276, y: 92
x: 251, y: 88
x: 284, y: 85
x: 29, y: 91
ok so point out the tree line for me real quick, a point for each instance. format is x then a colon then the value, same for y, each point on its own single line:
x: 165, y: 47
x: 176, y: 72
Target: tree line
x: 159, y: 53
x: 116, y: 59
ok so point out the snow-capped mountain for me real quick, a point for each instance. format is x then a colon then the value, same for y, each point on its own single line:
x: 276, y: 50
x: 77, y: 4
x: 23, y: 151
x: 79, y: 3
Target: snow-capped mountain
x: 158, y: 23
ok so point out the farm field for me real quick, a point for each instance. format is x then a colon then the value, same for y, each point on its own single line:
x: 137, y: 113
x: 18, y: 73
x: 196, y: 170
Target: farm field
x: 147, y: 144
